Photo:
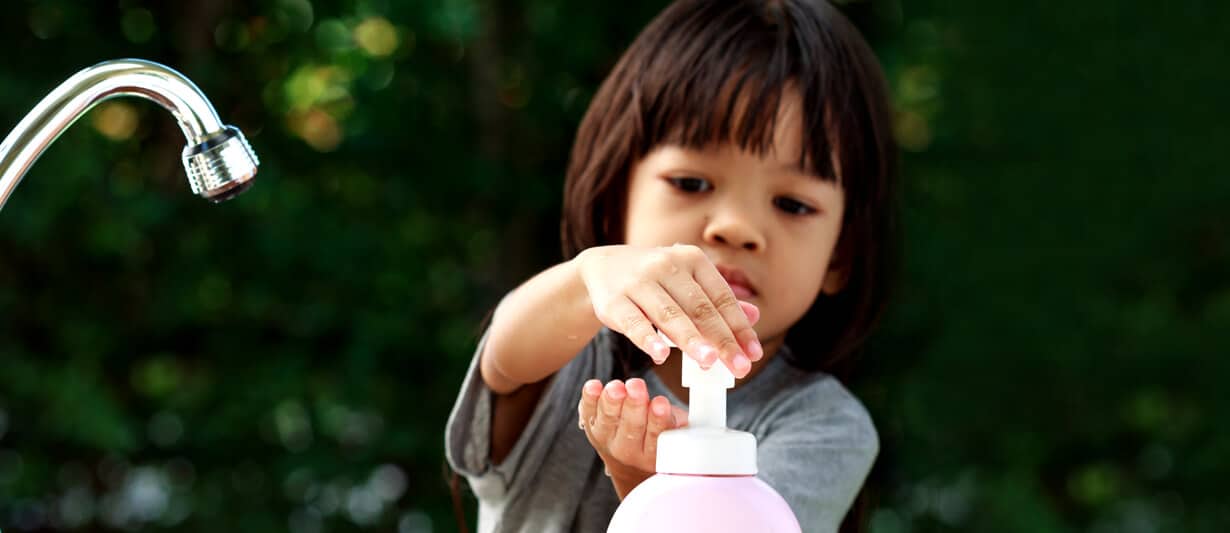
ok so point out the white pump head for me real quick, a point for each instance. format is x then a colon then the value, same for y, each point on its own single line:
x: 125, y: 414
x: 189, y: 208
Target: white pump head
x: 706, y: 446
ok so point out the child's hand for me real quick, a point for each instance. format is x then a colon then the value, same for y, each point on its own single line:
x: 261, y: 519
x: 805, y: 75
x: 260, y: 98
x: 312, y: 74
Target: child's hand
x: 678, y: 290
x: 623, y: 425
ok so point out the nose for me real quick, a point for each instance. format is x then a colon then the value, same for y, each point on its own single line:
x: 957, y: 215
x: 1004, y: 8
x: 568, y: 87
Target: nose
x: 732, y: 226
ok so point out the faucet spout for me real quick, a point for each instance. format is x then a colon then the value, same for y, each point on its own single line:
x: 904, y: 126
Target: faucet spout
x: 218, y: 160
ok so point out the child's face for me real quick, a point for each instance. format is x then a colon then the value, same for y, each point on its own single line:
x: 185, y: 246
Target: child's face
x: 759, y: 215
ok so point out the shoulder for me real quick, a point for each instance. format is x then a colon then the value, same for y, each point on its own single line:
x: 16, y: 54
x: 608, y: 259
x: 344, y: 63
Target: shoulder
x: 817, y: 444
x: 818, y: 405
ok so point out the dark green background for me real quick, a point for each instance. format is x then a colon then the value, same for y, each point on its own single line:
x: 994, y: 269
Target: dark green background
x: 1055, y: 359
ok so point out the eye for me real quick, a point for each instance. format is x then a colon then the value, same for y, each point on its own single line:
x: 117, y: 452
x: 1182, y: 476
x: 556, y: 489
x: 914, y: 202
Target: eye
x: 793, y: 207
x: 690, y: 184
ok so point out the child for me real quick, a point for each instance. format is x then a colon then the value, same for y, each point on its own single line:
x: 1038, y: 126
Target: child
x: 736, y: 168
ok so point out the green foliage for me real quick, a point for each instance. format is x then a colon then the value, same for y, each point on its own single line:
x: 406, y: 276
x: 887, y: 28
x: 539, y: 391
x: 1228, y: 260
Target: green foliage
x: 286, y: 360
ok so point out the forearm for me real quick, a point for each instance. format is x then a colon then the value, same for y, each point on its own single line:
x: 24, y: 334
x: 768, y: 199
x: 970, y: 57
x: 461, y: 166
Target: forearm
x: 538, y: 328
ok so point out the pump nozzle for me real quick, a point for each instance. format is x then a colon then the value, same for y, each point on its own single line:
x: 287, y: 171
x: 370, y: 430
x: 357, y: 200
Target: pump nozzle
x: 706, y: 446
x: 706, y: 390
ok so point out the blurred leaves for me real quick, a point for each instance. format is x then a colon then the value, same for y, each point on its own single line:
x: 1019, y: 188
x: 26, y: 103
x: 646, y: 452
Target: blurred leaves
x: 286, y: 360
x: 1057, y: 329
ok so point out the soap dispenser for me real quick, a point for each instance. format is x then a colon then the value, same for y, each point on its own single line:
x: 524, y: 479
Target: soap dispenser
x: 706, y: 473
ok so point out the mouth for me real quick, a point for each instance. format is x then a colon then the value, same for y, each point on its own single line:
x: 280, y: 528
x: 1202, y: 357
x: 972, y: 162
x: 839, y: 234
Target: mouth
x: 739, y: 284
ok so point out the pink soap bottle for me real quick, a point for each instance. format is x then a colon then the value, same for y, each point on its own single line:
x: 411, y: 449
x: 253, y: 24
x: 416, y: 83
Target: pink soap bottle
x: 706, y: 473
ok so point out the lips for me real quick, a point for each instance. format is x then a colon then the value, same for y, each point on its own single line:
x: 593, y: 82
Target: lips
x: 739, y: 284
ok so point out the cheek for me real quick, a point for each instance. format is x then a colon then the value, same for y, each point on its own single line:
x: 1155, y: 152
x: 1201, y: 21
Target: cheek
x: 796, y: 287
x: 649, y: 220
x: 642, y: 225
x: 800, y: 286
x: 636, y: 214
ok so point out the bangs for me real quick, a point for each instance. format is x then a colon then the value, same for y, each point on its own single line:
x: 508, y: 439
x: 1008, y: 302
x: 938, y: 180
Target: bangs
x: 722, y: 76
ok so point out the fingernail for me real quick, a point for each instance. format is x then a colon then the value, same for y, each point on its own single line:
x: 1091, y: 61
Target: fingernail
x: 659, y: 409
x: 755, y: 350
x: 705, y: 355
x: 592, y: 387
x: 638, y: 391
x: 742, y: 365
x: 615, y: 393
x: 660, y: 351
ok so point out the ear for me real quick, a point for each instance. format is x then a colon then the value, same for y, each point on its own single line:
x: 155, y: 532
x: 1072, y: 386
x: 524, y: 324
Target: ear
x: 836, y: 278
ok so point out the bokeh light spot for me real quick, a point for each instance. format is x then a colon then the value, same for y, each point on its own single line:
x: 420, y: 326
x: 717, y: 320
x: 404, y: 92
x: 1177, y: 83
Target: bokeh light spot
x: 295, y: 15
x: 317, y: 128
x: 116, y: 120
x: 376, y: 36
x: 137, y: 25
x: 912, y: 131
x: 232, y: 36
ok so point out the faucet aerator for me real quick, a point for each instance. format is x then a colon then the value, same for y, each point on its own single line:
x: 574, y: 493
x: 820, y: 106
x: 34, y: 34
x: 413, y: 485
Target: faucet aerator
x: 221, y: 167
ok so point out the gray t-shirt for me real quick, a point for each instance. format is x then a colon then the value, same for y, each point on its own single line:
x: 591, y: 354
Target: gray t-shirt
x: 816, y: 446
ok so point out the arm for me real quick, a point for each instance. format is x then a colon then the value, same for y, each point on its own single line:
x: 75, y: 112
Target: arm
x: 534, y: 332
x: 541, y: 325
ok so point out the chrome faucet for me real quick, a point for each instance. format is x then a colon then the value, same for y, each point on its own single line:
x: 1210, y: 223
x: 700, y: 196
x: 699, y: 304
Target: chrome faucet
x: 218, y: 160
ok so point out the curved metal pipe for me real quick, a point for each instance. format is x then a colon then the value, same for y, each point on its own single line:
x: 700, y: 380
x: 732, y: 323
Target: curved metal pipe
x: 218, y: 160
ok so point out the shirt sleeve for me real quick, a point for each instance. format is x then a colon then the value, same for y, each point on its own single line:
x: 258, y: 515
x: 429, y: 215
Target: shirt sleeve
x: 818, y: 454
x: 468, y: 431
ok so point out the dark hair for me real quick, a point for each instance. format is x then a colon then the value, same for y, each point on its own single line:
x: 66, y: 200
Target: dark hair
x: 704, y: 73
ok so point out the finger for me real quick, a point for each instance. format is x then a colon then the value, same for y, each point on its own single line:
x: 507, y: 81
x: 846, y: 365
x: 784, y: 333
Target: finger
x: 587, y: 408
x: 628, y: 444
x: 709, y: 320
x: 626, y: 317
x: 752, y: 312
x: 609, y: 406
x: 754, y: 349
x: 680, y: 416
x: 665, y: 311
x: 735, y: 317
x: 660, y: 420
